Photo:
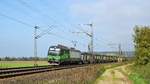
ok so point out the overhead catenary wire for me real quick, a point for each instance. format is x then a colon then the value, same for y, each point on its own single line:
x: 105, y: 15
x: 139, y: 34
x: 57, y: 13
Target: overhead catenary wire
x: 24, y: 23
x: 29, y: 25
x: 21, y: 22
x: 64, y: 19
x: 64, y: 38
x: 16, y: 20
x: 37, y: 11
x: 33, y: 9
x: 81, y: 29
x: 48, y: 31
x: 72, y: 25
x: 12, y: 7
x: 43, y: 14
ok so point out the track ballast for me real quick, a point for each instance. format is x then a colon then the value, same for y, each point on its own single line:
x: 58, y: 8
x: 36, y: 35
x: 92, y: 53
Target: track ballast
x: 13, y: 72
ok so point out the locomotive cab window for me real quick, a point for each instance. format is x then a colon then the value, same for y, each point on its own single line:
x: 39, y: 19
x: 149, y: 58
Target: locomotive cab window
x: 54, y: 51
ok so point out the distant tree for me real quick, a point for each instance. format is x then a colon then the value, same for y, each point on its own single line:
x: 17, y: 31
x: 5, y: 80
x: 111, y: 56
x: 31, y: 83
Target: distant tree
x: 142, y: 44
x: 7, y: 58
x: 23, y: 58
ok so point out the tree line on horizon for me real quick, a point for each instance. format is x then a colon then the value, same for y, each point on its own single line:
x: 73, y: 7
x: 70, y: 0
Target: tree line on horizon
x: 23, y: 58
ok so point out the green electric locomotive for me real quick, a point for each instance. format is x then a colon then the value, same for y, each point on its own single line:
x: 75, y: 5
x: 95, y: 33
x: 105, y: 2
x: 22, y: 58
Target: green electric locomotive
x: 63, y: 55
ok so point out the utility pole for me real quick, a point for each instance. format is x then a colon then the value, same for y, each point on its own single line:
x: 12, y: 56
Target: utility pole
x: 90, y: 45
x: 119, y: 53
x: 35, y: 44
x: 91, y: 42
x: 36, y: 37
x: 120, y: 50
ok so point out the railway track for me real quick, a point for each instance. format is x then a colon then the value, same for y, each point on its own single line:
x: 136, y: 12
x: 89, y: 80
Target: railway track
x: 13, y: 72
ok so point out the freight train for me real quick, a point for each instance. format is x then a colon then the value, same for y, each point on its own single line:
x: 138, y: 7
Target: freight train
x: 60, y: 54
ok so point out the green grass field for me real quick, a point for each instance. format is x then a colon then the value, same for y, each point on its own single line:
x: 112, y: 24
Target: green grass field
x: 10, y: 64
x: 140, y: 74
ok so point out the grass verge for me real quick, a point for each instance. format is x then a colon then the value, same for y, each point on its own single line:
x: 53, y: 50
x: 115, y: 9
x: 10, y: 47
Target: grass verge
x: 140, y: 74
x: 12, y: 64
x: 80, y: 75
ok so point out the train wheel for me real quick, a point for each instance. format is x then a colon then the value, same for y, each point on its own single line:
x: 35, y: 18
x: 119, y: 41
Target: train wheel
x: 80, y: 62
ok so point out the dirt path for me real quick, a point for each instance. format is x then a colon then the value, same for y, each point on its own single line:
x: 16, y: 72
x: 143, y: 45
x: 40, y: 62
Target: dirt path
x: 114, y: 76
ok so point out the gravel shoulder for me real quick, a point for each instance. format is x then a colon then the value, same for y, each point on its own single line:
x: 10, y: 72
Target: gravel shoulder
x: 115, y: 75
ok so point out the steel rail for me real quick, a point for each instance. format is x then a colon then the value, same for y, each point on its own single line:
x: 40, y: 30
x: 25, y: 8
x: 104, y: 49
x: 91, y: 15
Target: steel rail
x: 13, y: 73
x: 22, y: 67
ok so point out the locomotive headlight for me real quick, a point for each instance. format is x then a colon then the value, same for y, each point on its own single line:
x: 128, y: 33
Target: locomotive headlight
x: 57, y: 49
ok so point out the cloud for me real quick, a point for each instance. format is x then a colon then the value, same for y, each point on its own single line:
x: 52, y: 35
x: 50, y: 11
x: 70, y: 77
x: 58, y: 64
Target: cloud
x: 114, y: 19
x: 110, y: 9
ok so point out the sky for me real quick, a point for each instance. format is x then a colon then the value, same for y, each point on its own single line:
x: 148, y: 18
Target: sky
x: 113, y: 23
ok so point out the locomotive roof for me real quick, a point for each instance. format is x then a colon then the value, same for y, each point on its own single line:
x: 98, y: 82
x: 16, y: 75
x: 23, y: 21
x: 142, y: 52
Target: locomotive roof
x: 73, y: 49
x: 64, y: 47
x: 59, y: 46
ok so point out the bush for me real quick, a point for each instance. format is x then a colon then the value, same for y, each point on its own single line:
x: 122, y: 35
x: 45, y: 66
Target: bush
x: 142, y: 44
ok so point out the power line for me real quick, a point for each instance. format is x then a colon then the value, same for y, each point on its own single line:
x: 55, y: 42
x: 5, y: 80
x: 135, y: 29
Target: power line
x: 35, y: 34
x: 36, y: 10
x: 16, y: 20
x: 64, y: 19
x: 28, y: 6
x: 11, y: 6
x: 33, y: 9
x: 64, y: 38
x: 90, y: 46
x: 23, y: 12
x: 43, y: 14
x: 29, y: 25
x: 56, y: 35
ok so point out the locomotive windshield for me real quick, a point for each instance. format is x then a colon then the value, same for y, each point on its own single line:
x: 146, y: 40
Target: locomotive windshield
x: 54, y: 51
